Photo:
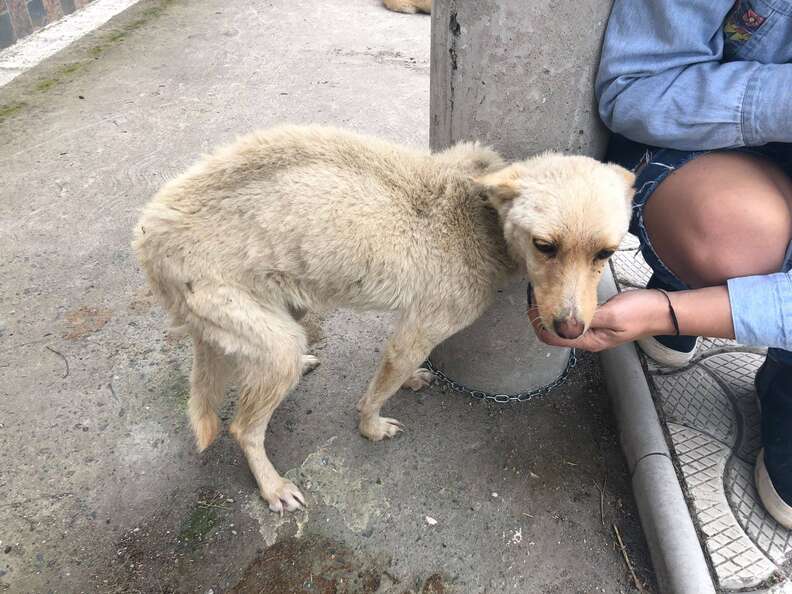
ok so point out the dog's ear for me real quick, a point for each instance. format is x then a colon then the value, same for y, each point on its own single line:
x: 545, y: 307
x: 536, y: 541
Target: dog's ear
x: 629, y: 179
x: 500, y: 187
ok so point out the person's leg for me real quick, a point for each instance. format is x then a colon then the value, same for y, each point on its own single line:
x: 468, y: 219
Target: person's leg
x: 721, y: 216
x: 725, y: 215
x: 774, y: 464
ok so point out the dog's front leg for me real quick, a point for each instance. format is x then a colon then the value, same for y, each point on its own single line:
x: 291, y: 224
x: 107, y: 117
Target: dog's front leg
x: 409, y: 346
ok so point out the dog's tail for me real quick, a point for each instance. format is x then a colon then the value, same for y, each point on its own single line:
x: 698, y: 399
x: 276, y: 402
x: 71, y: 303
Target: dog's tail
x: 162, y: 264
x: 409, y: 6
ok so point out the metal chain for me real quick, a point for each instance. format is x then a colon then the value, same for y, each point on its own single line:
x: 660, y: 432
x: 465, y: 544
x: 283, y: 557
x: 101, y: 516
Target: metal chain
x: 506, y: 398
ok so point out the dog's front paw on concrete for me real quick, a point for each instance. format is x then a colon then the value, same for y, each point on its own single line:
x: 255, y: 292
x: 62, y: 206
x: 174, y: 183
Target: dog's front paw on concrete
x: 420, y: 379
x: 281, y: 495
x: 309, y: 363
x: 378, y: 428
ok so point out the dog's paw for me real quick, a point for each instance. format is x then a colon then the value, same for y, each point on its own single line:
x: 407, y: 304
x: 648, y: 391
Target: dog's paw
x: 309, y: 363
x: 420, y: 379
x: 283, y: 495
x: 378, y: 428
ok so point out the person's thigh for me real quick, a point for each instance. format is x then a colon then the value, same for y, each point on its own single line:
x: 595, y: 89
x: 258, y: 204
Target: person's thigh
x: 720, y: 216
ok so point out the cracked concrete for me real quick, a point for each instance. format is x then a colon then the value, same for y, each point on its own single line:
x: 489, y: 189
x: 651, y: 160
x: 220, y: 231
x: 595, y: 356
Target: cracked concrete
x: 100, y: 487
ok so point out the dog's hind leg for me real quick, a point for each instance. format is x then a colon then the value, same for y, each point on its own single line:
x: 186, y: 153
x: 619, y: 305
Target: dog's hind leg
x: 267, y: 344
x: 265, y: 385
x: 310, y: 326
x: 207, y: 390
x: 419, y: 379
x: 266, y: 380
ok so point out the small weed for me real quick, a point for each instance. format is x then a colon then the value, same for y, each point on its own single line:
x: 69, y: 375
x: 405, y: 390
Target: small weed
x: 71, y: 68
x: 6, y: 111
x: 46, y: 84
x: 204, y: 517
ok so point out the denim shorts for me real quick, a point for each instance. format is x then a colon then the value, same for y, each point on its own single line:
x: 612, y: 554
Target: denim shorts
x: 651, y: 165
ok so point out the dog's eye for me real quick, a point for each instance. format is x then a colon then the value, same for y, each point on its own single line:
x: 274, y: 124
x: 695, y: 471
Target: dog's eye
x: 604, y: 254
x: 546, y: 248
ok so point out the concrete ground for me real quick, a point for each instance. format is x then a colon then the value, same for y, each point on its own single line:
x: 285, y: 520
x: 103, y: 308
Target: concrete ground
x: 100, y: 488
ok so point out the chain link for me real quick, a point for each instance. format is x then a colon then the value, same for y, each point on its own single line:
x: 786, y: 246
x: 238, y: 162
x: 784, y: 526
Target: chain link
x: 506, y: 398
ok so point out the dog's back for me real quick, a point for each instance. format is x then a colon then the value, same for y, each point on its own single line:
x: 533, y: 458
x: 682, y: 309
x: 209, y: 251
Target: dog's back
x: 312, y: 217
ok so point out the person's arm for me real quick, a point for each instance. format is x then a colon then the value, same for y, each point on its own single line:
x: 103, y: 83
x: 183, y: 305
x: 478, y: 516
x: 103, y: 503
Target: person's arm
x: 661, y: 80
x: 644, y: 312
x: 755, y: 310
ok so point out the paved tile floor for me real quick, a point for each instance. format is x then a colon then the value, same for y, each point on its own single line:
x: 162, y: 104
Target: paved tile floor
x: 711, y: 415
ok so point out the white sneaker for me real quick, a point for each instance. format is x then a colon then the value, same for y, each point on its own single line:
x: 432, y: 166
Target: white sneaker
x: 775, y: 506
x: 665, y: 355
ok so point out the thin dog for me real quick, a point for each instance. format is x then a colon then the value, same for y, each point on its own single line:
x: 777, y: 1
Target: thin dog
x: 298, y: 219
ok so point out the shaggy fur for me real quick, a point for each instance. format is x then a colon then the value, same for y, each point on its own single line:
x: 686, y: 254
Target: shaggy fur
x: 298, y: 219
x: 409, y: 6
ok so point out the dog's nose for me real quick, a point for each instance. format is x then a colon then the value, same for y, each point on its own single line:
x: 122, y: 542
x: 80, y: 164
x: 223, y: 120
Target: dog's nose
x: 568, y: 327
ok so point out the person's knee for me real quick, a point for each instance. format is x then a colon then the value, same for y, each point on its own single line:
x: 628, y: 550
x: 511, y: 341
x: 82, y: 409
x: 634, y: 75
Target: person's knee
x: 707, y: 233
x: 740, y: 242
x: 685, y: 235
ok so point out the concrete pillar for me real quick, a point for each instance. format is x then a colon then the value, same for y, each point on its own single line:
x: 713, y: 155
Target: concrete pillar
x: 517, y: 75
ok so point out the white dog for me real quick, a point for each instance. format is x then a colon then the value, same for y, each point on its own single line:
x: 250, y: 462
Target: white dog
x: 294, y: 219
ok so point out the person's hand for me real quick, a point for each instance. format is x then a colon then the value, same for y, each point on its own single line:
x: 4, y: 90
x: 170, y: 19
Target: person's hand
x: 626, y: 317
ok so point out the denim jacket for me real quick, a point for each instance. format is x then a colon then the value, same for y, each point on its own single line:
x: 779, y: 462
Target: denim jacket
x: 701, y: 75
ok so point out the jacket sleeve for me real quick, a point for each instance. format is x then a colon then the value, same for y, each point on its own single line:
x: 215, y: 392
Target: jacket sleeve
x: 661, y: 80
x: 762, y: 310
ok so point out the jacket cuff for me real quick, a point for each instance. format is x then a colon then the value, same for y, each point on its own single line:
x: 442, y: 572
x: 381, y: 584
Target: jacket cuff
x: 767, y: 105
x: 758, y: 309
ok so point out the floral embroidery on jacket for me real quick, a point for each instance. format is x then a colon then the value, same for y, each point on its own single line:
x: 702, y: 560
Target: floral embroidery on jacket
x: 742, y: 22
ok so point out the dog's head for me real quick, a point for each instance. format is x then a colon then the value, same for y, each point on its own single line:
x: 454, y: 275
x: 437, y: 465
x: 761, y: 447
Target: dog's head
x: 563, y: 217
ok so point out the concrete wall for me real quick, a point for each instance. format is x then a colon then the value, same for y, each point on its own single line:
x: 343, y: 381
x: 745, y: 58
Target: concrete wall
x: 517, y: 74
x: 21, y: 17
